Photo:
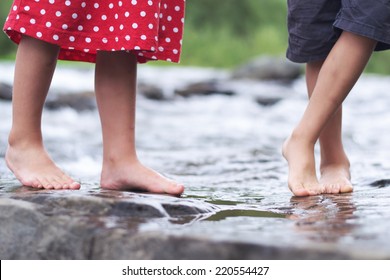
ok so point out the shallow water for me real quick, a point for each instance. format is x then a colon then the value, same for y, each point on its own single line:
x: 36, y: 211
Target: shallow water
x: 226, y: 150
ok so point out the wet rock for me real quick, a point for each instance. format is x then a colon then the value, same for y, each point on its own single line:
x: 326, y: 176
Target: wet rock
x: 28, y: 233
x: 381, y: 183
x: 269, y: 68
x: 205, y: 88
x: 5, y: 91
x: 40, y: 224
x: 151, y: 91
x: 267, y: 100
x: 79, y: 101
x: 167, y: 247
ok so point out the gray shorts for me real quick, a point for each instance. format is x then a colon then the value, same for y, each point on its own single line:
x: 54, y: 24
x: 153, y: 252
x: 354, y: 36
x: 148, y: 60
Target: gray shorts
x: 315, y: 25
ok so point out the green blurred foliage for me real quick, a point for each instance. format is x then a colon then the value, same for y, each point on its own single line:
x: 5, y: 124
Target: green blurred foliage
x: 226, y: 33
x: 6, y: 46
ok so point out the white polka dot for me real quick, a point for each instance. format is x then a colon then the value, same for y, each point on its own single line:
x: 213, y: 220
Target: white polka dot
x: 14, y: 7
x: 23, y: 30
x: 56, y: 37
x: 64, y: 26
x: 111, y: 29
x: 143, y: 37
x: 121, y: 27
x: 111, y: 5
x: 39, y: 34
x: 89, y: 16
x: 74, y: 16
x: 151, y: 26
x: 96, y: 29
x: 134, y: 2
x: 48, y: 24
x: 88, y: 40
x: 80, y: 28
x: 150, y: 3
x: 104, y: 17
x: 43, y: 11
x: 137, y: 48
x: 72, y: 38
x: 33, y: 21
x: 169, y: 18
x: 143, y: 14
x: 177, y: 8
x: 127, y: 37
x: 68, y: 3
x: 27, y: 8
x: 52, y: 1
x: 127, y: 14
x: 135, y: 26
x: 161, y: 49
x: 83, y: 5
x: 120, y: 3
x: 96, y: 5
x: 176, y: 30
x: 58, y: 13
x: 175, y: 51
x: 104, y: 40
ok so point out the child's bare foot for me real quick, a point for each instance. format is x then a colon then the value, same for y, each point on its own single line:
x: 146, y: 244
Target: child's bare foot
x: 336, y: 177
x: 135, y: 176
x: 33, y: 167
x: 302, y: 179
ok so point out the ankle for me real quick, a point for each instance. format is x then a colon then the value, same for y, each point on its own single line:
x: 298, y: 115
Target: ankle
x: 119, y: 160
x: 298, y: 137
x: 340, y: 161
x: 23, y: 141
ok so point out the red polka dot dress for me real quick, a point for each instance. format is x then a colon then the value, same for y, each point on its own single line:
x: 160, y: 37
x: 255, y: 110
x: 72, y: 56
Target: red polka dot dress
x: 151, y: 29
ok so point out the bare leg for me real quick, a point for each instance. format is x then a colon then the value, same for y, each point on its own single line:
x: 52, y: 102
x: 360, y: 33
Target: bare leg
x: 338, y: 75
x: 26, y: 156
x: 115, y: 82
x: 335, y: 173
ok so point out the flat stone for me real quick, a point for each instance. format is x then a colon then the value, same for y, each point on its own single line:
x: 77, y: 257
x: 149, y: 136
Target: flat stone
x: 269, y: 68
x: 5, y: 91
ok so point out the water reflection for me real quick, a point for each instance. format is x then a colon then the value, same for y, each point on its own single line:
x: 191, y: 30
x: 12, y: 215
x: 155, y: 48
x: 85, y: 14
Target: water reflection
x: 325, y: 218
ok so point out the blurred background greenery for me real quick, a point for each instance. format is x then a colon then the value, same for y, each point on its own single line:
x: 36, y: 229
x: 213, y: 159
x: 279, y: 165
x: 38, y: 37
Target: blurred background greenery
x: 226, y: 33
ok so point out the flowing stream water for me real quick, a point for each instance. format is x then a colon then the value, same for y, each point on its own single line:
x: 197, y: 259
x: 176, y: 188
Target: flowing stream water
x: 226, y: 150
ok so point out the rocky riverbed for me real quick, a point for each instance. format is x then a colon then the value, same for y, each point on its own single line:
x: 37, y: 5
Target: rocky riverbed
x: 220, y: 134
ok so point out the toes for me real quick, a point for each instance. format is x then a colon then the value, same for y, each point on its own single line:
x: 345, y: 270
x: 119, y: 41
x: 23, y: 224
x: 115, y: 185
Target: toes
x: 74, y: 186
x: 299, y: 190
x: 177, y: 189
x: 331, y: 188
x: 346, y: 188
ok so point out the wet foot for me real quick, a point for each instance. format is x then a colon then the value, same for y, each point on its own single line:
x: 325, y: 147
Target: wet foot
x: 33, y: 167
x: 336, y: 178
x: 302, y: 179
x: 137, y: 177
